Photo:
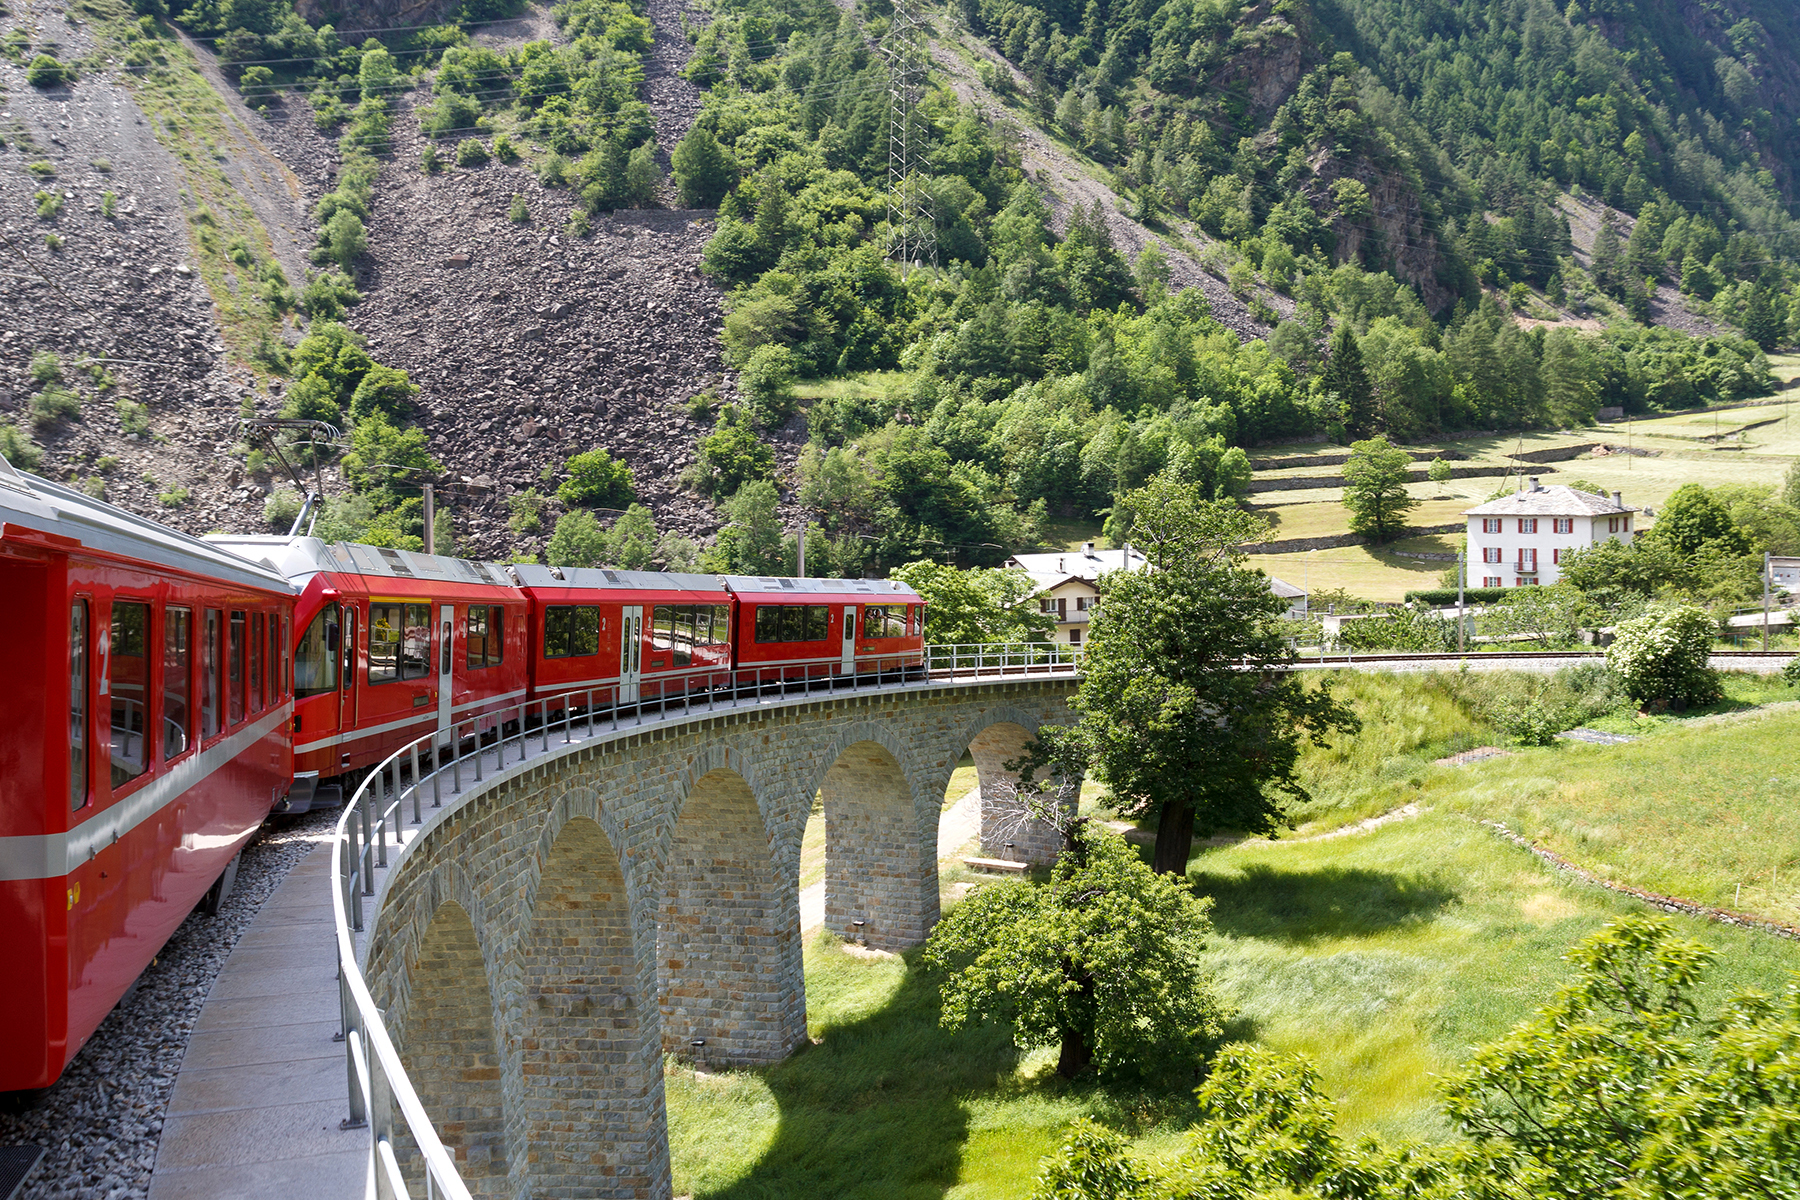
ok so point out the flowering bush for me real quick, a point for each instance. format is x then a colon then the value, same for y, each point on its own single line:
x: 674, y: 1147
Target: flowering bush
x: 1662, y: 656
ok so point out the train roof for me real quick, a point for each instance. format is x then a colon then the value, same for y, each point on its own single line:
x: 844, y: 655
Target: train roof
x: 32, y: 502
x: 532, y: 575
x: 300, y: 557
x: 884, y: 589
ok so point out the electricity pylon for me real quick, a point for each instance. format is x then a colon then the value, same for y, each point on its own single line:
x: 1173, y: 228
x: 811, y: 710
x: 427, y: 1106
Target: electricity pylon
x: 912, y: 221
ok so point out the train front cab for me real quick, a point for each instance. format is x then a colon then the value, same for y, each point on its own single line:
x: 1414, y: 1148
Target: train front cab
x: 625, y: 637
x: 391, y: 644
x: 145, y: 742
x: 812, y: 629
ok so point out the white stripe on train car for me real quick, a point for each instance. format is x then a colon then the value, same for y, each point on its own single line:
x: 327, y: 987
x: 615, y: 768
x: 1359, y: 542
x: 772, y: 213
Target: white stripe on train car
x: 53, y: 855
x: 344, y: 739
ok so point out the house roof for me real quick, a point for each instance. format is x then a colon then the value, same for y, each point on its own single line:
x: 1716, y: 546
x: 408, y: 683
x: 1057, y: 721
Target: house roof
x: 1079, y: 564
x: 1285, y: 590
x: 1557, y: 500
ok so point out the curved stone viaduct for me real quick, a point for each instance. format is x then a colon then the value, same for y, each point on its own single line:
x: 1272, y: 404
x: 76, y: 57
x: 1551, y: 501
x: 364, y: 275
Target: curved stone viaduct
x: 543, y: 939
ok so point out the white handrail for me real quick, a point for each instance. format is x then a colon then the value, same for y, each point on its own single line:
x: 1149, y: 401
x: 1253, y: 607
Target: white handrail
x: 375, y: 1074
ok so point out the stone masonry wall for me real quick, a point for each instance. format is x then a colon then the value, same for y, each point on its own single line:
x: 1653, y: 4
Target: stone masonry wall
x: 570, y: 868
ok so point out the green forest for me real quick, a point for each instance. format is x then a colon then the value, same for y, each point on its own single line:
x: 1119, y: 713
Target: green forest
x: 1396, y: 178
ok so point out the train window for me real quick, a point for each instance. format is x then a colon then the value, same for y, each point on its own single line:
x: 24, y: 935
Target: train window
x: 880, y: 621
x: 177, y: 680
x: 721, y: 625
x: 673, y: 630
x: 78, y: 702
x: 571, y: 631
x: 399, y: 642
x: 349, y: 672
x: 256, y: 661
x: 128, y: 686
x: 487, y: 635
x: 234, y: 670
x: 287, y: 666
x: 315, y: 663
x: 792, y: 622
x: 210, y: 666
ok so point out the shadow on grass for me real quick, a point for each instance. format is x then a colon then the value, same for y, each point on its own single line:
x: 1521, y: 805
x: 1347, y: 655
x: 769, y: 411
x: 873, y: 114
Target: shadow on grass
x: 878, y: 1109
x: 1299, y: 905
x: 875, y: 1110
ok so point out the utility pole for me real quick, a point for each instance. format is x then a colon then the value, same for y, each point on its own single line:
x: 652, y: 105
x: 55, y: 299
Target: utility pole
x: 1765, y: 601
x: 912, y: 225
x: 430, y: 521
x: 1462, y: 577
x: 800, y: 549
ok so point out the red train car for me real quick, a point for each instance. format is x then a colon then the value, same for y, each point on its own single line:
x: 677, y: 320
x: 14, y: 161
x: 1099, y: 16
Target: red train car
x: 815, y: 628
x: 628, y: 635
x: 390, y: 644
x: 146, y: 712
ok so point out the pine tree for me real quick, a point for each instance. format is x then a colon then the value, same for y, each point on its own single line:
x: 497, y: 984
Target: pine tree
x: 1762, y: 323
x: 1606, y: 256
x: 1346, y: 375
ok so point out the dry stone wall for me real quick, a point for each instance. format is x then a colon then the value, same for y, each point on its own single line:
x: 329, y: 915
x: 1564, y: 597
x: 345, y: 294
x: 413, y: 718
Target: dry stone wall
x: 641, y: 892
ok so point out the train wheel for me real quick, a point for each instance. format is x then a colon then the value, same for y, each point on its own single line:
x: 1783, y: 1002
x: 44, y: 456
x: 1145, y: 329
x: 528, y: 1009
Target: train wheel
x: 221, y: 888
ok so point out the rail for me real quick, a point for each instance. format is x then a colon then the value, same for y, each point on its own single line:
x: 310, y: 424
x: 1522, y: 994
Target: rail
x: 424, y: 772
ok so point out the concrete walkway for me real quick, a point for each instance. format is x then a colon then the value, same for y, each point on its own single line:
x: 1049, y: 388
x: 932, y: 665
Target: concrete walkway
x: 262, y: 1086
x: 960, y: 824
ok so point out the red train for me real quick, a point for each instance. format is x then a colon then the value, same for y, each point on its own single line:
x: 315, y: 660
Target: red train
x: 175, y: 691
x: 146, y: 719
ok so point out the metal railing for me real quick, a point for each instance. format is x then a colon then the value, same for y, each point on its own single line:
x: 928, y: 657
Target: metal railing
x: 442, y: 763
x: 1010, y: 658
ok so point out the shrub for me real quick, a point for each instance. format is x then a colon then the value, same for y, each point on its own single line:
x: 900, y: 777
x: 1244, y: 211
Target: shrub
x: 52, y: 242
x: 518, y: 214
x: 1661, y: 657
x: 109, y: 204
x: 597, y: 480
x: 553, y: 171
x: 258, y: 86
x: 46, y: 368
x: 102, y: 165
x: 43, y: 168
x: 1442, y: 596
x: 327, y: 294
x: 175, y: 497
x: 17, y: 448
x: 527, y: 511
x: 49, y: 204
x: 428, y: 160
x: 341, y: 240
x: 280, y: 509
x: 504, y: 150
x: 578, y: 225
x: 768, y: 383
x: 46, y: 72
x: 471, y: 153
x: 1791, y: 672
x: 133, y: 417
x: 1438, y: 471
x: 53, y: 404
x: 578, y: 541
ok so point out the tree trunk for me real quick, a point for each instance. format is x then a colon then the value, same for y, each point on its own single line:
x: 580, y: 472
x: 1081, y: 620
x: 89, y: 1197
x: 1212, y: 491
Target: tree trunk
x: 1174, y: 838
x: 1076, y: 1054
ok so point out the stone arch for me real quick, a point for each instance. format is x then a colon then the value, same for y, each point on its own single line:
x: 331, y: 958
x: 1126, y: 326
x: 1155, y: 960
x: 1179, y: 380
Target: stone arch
x: 996, y: 737
x: 880, y: 842
x: 728, y: 931
x: 591, y: 1110
x: 452, y: 1057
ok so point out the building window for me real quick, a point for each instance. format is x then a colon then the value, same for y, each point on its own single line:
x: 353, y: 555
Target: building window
x: 1612, y: 524
x: 1075, y: 637
x: 1556, y: 556
x: 1490, y: 524
x: 1527, y: 524
x: 1490, y: 554
x: 1627, y: 520
x: 1492, y: 581
x: 1524, y: 582
x: 1565, y: 525
x: 1081, y: 603
x: 1527, y: 559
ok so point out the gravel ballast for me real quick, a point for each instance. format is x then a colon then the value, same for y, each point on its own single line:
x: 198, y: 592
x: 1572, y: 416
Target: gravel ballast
x: 100, y: 1124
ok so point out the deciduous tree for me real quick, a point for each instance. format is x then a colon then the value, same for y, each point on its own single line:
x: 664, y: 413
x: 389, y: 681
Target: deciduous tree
x: 1375, y: 492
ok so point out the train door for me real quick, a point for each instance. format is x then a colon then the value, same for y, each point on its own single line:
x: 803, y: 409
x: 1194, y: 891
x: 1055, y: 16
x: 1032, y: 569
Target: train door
x: 446, y: 622
x: 631, y: 647
x: 849, y: 664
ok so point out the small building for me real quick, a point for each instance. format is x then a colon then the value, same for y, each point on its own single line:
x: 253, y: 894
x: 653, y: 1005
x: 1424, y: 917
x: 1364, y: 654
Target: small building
x: 1784, y: 573
x: 1068, y: 585
x: 1521, y: 540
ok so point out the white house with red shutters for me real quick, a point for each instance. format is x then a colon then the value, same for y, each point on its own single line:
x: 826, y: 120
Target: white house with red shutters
x: 1522, y: 540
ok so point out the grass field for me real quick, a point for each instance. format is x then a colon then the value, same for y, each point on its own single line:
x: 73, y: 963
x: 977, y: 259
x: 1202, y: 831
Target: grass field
x: 1382, y: 955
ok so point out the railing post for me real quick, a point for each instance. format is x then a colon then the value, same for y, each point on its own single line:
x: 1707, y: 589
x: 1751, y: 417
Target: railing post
x: 437, y: 772
x: 365, y: 863
x: 456, y: 759
x: 381, y: 1122
x: 479, y: 752
x: 381, y: 812
x: 417, y: 782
